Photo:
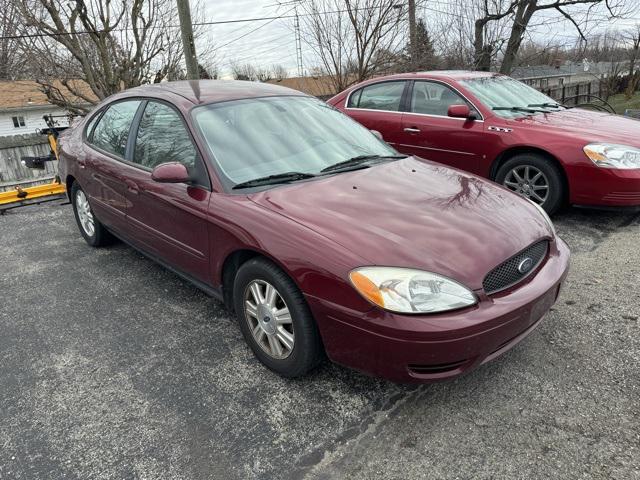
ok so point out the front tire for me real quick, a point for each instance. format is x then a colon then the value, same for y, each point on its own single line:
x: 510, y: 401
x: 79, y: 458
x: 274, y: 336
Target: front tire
x: 94, y: 233
x: 275, y: 319
x: 534, y: 177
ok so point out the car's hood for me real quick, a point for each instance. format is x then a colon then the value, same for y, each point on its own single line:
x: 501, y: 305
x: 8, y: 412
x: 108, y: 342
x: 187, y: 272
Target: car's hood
x: 590, y: 125
x: 411, y: 213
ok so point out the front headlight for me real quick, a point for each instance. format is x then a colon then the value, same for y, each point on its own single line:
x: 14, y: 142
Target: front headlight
x: 405, y: 290
x: 546, y: 216
x: 609, y: 155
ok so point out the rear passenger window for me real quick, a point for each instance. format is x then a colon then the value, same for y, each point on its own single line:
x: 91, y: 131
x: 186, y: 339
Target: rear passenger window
x: 380, y: 96
x: 162, y: 137
x: 112, y: 130
x: 90, y: 125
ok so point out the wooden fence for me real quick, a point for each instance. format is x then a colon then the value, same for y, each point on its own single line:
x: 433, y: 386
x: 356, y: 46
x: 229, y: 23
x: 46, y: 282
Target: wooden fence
x: 573, y: 94
x: 12, y: 172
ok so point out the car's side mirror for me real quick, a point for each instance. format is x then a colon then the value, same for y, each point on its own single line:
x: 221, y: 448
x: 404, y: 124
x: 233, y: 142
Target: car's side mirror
x: 173, y: 172
x: 377, y: 134
x: 461, y: 111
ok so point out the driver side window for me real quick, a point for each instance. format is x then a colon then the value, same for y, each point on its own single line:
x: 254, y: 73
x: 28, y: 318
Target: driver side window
x: 162, y: 138
x: 433, y: 98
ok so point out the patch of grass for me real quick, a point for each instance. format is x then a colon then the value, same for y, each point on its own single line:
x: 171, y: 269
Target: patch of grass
x: 620, y: 103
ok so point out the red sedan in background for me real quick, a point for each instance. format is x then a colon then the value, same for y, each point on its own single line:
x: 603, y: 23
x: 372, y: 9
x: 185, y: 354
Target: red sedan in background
x: 497, y: 127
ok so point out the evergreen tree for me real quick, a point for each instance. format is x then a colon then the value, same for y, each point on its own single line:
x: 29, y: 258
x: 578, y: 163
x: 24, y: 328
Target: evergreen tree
x: 425, y: 54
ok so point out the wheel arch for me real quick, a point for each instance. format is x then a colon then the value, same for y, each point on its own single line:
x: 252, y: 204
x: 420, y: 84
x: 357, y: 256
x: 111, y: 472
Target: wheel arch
x: 69, y: 181
x: 232, y: 263
x: 513, y: 151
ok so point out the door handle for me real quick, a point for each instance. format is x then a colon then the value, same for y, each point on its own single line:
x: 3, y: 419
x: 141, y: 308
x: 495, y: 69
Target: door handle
x: 132, y: 186
x: 82, y: 164
x: 412, y: 130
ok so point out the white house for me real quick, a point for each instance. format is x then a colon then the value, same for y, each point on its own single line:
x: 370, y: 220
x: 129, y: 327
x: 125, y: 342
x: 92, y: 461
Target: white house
x: 22, y: 106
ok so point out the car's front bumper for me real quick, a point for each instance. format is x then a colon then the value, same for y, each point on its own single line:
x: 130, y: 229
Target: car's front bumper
x: 422, y: 348
x: 608, y: 187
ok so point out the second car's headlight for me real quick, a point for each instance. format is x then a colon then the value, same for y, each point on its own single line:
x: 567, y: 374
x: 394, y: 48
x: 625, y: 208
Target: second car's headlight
x: 610, y: 155
x: 405, y: 290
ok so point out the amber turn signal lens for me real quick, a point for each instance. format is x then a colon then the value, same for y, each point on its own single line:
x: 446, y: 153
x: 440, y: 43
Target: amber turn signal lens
x: 595, y: 156
x: 367, y: 288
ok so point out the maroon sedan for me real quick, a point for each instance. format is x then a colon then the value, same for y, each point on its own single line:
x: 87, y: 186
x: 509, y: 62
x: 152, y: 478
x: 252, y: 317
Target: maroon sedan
x: 321, y: 237
x: 502, y: 129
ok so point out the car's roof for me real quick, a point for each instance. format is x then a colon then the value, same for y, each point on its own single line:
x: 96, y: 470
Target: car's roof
x: 442, y: 74
x: 209, y: 91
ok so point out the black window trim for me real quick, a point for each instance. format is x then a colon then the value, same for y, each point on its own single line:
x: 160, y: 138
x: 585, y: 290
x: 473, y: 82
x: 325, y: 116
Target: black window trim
x: 133, y: 132
x: 93, y: 116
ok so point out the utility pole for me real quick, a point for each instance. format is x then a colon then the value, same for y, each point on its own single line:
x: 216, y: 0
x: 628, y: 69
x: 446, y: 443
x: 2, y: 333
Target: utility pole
x: 413, y: 40
x: 188, y: 45
x: 298, y: 43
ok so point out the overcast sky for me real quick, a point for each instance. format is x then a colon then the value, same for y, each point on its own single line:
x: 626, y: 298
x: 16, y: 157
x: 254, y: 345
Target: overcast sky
x: 273, y: 41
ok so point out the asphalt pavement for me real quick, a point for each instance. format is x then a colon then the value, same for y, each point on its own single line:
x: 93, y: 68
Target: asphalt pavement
x: 111, y: 367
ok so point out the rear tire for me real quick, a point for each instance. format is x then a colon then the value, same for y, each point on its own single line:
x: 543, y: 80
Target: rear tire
x: 535, y: 177
x: 94, y: 233
x: 275, y: 319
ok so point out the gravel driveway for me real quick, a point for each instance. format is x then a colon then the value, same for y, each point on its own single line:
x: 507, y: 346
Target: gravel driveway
x: 112, y: 367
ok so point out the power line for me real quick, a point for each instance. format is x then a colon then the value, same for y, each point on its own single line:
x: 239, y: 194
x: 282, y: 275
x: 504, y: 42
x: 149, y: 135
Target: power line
x: 252, y: 31
x: 219, y: 22
x: 246, y: 55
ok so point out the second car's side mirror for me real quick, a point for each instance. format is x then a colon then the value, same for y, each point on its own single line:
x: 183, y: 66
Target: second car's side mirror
x: 173, y: 172
x: 461, y: 111
x: 377, y: 134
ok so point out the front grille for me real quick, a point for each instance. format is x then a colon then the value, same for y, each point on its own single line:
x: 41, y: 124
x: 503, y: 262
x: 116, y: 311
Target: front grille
x: 507, y: 274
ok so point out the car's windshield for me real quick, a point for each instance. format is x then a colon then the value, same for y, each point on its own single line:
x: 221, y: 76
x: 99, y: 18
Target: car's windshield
x: 260, y: 137
x: 510, y: 98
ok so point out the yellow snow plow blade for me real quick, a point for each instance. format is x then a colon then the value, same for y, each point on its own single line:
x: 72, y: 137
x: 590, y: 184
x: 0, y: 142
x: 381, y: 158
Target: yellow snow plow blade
x: 23, y: 196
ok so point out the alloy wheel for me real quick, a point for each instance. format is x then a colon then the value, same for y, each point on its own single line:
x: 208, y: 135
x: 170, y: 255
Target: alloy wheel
x: 528, y: 181
x: 269, y: 319
x: 84, y: 213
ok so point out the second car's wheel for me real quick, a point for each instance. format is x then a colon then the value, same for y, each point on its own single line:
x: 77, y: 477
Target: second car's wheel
x: 275, y: 319
x: 94, y: 233
x: 534, y: 177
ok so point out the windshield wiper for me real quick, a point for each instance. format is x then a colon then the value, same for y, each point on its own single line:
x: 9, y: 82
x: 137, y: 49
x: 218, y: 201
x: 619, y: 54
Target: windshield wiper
x: 357, y: 161
x: 519, y: 109
x: 545, y: 105
x: 274, y: 179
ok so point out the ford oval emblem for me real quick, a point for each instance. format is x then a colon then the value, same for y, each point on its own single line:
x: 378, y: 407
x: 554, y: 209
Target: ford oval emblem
x: 525, y: 265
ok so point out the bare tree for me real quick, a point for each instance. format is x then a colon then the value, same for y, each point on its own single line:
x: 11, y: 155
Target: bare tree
x: 500, y: 26
x: 279, y: 72
x: 538, y: 53
x: 11, y: 60
x: 346, y: 36
x: 525, y: 9
x: 632, y: 38
x: 253, y: 73
x: 109, y: 45
x: 491, y: 12
x: 470, y: 33
x: 611, y: 84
